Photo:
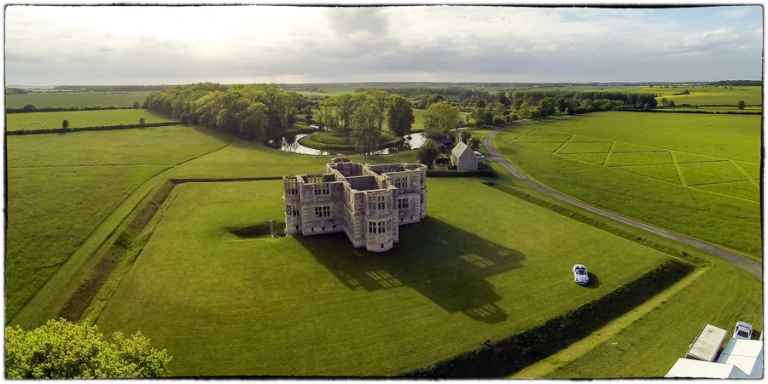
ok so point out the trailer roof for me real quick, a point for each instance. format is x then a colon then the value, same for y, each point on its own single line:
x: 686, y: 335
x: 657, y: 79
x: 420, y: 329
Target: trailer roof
x: 708, y: 343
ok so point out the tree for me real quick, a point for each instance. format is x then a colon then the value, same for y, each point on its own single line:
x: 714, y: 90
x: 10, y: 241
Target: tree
x: 345, y: 105
x: 254, y: 121
x: 399, y: 115
x: 63, y: 350
x: 740, y: 104
x: 671, y: 103
x: 474, y: 143
x: 502, y: 98
x: 434, y: 99
x: 428, y: 153
x: 65, y: 124
x: 142, y: 120
x: 365, y: 130
x: 136, y: 105
x: 29, y: 108
x: 440, y: 118
x: 480, y: 103
x: 547, y: 106
x: 523, y: 112
x: 185, y: 118
x: 382, y: 99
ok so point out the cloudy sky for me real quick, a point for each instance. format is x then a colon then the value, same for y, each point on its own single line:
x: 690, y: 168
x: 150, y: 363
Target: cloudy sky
x: 49, y: 45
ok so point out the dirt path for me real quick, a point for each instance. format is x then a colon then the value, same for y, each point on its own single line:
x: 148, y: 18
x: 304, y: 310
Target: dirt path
x: 749, y: 265
x: 581, y: 347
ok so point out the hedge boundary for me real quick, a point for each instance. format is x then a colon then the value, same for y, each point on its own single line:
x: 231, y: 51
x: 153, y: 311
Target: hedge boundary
x: 511, y: 354
x: 64, y: 109
x: 89, y: 129
x: 682, y: 255
x: 486, y: 173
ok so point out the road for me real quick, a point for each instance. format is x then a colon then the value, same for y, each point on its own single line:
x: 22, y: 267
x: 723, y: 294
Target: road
x: 749, y: 265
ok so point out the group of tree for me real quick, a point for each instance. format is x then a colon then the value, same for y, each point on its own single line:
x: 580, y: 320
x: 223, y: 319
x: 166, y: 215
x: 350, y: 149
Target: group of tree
x: 251, y: 111
x: 364, y: 114
x: 15, y: 91
x: 63, y: 350
x: 422, y: 94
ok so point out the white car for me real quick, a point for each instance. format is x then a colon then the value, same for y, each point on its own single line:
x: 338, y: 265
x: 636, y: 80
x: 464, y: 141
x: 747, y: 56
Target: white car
x: 742, y: 331
x: 580, y: 274
x: 479, y: 155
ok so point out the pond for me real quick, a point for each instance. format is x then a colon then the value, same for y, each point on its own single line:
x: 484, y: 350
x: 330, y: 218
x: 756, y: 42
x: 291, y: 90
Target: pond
x: 290, y: 143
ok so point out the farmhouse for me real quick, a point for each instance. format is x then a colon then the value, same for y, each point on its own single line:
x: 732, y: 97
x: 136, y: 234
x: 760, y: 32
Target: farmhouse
x: 463, y: 158
x: 366, y: 202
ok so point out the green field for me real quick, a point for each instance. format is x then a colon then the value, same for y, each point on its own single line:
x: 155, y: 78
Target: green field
x: 656, y: 170
x: 78, y: 119
x: 698, y: 94
x: 67, y: 99
x: 60, y: 187
x: 342, y: 140
x: 316, y: 306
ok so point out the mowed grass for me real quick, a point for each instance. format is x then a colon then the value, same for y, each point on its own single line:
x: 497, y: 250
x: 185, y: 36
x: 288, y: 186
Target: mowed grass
x: 149, y: 146
x: 50, y: 212
x: 734, y: 137
x: 585, y: 147
x: 651, y: 194
x: 744, y: 189
x: 78, y: 119
x: 469, y: 272
x: 60, y: 187
x: 638, y: 158
x: 75, y: 99
x: 722, y: 296
x: 711, y: 173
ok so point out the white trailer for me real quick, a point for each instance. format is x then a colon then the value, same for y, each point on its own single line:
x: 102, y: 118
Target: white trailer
x: 707, y: 344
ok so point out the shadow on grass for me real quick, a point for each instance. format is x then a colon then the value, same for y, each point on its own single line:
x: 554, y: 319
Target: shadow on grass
x: 446, y: 264
x: 594, y: 281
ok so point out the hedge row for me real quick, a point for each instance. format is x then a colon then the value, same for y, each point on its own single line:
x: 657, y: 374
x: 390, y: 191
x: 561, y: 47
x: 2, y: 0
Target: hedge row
x: 485, y: 173
x: 62, y: 109
x: 204, y: 180
x: 514, y: 353
x: 710, y: 112
x: 83, y: 129
x: 598, y: 224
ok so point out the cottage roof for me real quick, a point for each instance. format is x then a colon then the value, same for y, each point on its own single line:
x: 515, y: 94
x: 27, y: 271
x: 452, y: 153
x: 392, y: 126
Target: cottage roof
x: 460, y: 149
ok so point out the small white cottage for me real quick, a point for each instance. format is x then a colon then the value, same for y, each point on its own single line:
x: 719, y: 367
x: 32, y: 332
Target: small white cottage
x: 464, y: 158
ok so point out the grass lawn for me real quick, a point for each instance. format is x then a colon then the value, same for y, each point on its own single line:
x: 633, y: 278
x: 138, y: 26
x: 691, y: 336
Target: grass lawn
x: 223, y: 305
x: 79, y: 119
x: 649, y: 185
x: 342, y: 140
x: 69, y: 99
x: 61, y: 186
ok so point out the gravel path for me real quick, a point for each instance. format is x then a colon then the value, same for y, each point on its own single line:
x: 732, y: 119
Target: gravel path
x: 749, y: 265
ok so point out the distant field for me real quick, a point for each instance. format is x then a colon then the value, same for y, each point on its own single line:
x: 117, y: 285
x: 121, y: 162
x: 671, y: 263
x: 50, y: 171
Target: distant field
x: 61, y: 186
x: 694, y: 174
x: 316, y: 306
x: 77, y: 119
x: 699, y: 94
x: 74, y: 99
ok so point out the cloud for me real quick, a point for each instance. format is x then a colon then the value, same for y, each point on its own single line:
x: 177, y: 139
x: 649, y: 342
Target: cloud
x: 736, y: 13
x: 142, y: 45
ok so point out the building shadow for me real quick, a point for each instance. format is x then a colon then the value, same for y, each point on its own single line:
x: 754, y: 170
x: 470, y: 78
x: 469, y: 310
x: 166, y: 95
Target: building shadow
x: 445, y: 264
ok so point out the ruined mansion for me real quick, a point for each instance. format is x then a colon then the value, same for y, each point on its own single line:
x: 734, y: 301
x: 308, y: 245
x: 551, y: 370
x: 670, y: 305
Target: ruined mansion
x: 366, y: 202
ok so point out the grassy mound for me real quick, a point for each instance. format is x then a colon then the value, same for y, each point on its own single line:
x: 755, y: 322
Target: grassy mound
x: 343, y: 140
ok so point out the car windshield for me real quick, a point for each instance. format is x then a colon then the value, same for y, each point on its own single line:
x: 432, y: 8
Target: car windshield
x: 581, y: 271
x: 742, y: 333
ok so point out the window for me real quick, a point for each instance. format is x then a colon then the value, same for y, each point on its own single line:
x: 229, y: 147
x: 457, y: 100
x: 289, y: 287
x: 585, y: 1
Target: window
x: 324, y: 211
x: 401, y: 182
x: 422, y: 198
x: 377, y: 202
x: 381, y: 202
x: 402, y: 203
x: 372, y: 227
x: 295, y: 211
x: 381, y: 227
x: 292, y: 188
x: 377, y: 226
x: 288, y: 210
x: 322, y: 189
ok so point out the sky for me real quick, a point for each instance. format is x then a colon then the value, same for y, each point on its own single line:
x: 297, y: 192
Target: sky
x: 90, y: 45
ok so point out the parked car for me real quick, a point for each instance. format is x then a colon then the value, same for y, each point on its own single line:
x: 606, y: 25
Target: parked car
x: 479, y: 155
x: 742, y: 331
x: 580, y: 274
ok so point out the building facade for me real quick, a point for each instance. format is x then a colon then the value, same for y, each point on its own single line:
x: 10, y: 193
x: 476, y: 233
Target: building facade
x: 366, y: 202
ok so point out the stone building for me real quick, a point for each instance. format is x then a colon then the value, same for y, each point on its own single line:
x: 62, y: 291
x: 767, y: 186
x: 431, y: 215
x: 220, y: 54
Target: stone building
x: 463, y: 158
x: 366, y: 202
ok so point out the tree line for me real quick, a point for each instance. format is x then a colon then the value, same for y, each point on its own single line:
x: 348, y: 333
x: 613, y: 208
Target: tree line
x: 250, y: 111
x: 112, y: 88
x: 34, y: 108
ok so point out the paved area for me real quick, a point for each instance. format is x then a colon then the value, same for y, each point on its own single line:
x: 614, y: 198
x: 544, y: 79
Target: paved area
x: 749, y: 265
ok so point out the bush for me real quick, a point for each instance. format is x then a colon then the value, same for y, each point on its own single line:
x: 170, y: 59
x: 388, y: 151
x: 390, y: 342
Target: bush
x: 29, y: 108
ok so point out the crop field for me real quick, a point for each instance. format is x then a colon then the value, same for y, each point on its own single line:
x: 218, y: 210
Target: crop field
x: 61, y: 186
x: 78, y: 119
x: 69, y: 99
x: 697, y: 175
x: 316, y: 306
